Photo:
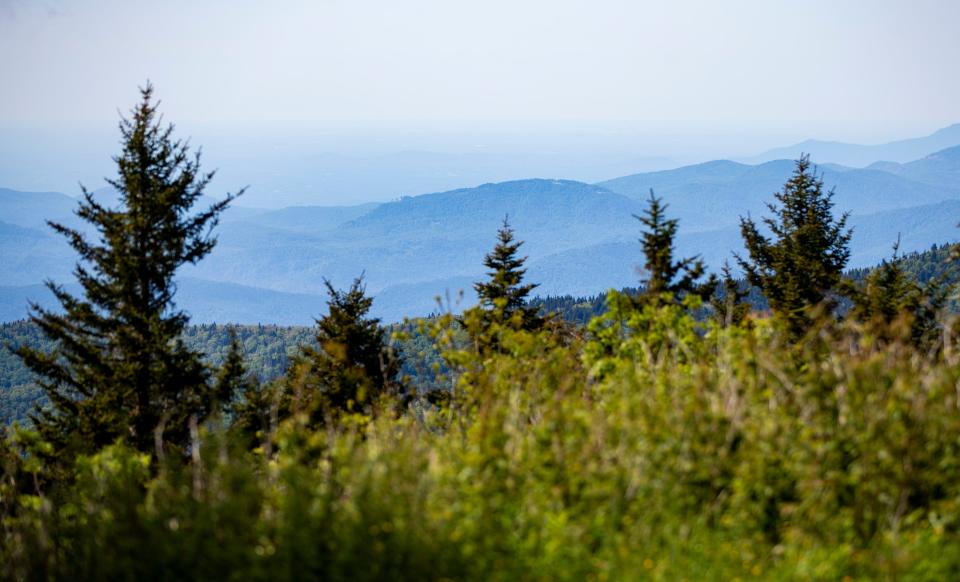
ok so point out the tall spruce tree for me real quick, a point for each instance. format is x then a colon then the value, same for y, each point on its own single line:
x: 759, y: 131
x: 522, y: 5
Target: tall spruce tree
x: 120, y: 370
x: 802, y: 264
x: 503, y: 296
x: 662, y: 274
x: 353, y: 364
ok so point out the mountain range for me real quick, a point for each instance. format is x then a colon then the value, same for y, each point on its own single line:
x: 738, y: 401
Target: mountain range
x: 858, y: 155
x: 269, y: 265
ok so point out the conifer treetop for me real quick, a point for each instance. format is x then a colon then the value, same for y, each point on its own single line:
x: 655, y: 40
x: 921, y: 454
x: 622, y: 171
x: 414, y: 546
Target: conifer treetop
x: 802, y: 263
x: 661, y: 273
x: 504, y: 288
x: 353, y: 363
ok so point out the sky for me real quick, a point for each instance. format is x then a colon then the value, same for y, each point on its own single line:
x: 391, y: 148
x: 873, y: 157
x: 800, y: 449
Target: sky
x: 624, y: 79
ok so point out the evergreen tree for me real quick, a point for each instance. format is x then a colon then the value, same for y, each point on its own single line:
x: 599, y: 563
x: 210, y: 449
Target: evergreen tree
x: 232, y: 379
x: 728, y: 302
x: 352, y: 365
x: 894, y: 304
x: 803, y: 263
x: 256, y: 413
x: 664, y: 275
x: 120, y: 369
x: 503, y: 296
x: 253, y: 406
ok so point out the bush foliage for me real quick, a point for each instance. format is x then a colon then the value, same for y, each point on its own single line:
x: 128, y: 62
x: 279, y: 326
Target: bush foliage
x: 656, y: 448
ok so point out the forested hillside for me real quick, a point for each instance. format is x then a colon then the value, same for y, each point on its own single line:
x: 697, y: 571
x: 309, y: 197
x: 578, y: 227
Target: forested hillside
x: 267, y: 351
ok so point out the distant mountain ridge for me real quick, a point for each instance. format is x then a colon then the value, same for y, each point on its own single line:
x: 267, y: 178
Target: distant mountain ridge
x: 941, y: 169
x: 34, y: 209
x: 206, y: 301
x: 858, y: 155
x: 269, y: 265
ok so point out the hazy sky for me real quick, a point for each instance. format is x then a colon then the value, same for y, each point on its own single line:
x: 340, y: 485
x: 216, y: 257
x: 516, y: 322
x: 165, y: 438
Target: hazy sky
x: 869, y: 70
x: 501, y: 62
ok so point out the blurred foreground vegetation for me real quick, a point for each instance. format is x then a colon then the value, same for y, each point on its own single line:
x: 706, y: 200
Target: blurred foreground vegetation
x: 662, y: 453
